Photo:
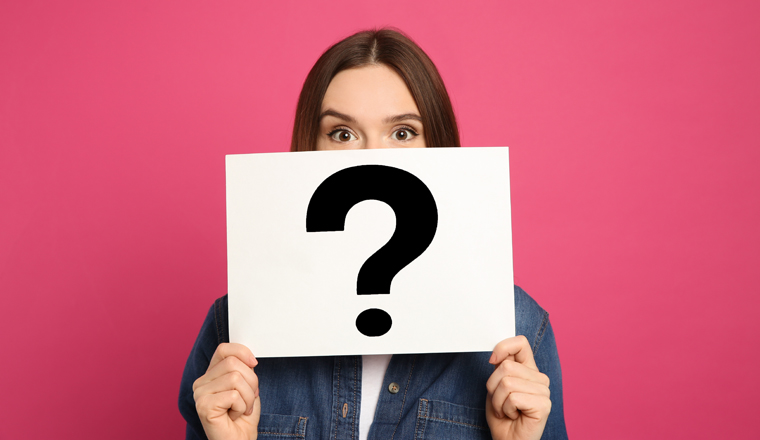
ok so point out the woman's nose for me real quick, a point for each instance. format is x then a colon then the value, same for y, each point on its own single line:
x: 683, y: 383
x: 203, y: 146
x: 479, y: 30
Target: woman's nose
x: 374, y: 143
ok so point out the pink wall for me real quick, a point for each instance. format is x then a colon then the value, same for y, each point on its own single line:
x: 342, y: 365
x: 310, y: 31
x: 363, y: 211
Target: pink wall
x: 635, y: 170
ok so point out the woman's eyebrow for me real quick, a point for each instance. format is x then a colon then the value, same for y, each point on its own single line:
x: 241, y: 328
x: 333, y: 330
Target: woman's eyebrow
x: 330, y: 112
x: 399, y: 118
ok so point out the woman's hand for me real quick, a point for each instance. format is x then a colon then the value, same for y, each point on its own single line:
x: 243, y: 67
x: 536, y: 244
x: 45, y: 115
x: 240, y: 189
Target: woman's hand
x: 518, y: 404
x: 227, y: 396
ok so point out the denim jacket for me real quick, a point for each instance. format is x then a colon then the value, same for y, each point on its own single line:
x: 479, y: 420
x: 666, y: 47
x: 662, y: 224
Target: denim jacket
x: 424, y: 396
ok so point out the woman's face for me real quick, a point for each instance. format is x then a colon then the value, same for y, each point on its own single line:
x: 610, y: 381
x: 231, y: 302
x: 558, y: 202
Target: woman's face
x: 369, y: 107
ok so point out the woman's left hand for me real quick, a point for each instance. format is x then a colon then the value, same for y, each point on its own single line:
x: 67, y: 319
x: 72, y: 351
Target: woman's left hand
x: 518, y: 403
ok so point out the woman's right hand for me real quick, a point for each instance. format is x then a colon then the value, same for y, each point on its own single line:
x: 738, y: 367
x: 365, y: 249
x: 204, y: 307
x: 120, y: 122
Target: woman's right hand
x: 227, y: 396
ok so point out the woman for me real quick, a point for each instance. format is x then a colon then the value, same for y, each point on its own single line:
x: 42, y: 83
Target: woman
x: 376, y: 89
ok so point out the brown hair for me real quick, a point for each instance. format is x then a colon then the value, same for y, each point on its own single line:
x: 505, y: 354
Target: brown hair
x: 390, y: 48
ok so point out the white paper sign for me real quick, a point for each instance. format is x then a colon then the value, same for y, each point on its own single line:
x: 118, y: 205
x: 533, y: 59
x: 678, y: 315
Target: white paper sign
x: 294, y: 293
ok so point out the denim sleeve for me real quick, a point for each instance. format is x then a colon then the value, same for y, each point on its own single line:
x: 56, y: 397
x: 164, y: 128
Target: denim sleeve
x: 547, y: 360
x: 197, y: 363
x: 533, y: 322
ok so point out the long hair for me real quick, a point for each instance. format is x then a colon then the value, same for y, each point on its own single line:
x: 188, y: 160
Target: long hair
x: 378, y: 47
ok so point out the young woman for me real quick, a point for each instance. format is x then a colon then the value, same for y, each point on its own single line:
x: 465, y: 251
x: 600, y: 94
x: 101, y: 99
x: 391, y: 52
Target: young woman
x: 376, y: 89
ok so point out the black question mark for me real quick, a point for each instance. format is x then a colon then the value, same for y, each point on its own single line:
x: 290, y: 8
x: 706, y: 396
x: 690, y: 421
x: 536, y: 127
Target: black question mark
x: 416, y: 223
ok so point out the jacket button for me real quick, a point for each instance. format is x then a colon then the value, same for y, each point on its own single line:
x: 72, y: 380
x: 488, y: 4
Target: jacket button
x: 393, y: 388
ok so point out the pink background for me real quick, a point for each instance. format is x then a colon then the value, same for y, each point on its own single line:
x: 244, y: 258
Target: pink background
x: 634, y: 138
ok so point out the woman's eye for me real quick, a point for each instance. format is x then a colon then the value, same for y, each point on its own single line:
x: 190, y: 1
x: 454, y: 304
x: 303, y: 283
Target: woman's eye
x: 404, y: 134
x: 342, y: 136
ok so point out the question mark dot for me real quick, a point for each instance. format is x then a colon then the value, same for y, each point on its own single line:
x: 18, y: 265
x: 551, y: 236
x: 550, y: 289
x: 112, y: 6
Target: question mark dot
x: 373, y: 322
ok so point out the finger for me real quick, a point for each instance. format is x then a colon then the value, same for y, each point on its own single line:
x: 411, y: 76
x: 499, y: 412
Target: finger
x: 239, y: 351
x: 230, y: 381
x: 530, y: 405
x: 517, y: 348
x: 509, y: 385
x: 212, y: 407
x: 510, y: 368
x: 228, y: 365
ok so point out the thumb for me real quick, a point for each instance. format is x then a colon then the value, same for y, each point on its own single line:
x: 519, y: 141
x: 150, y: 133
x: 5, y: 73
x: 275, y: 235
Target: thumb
x: 253, y: 419
x: 256, y: 414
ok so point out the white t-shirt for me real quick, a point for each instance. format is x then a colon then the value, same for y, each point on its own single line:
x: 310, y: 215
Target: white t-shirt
x: 373, y: 372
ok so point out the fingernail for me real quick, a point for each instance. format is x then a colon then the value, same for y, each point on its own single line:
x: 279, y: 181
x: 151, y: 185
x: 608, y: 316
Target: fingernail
x: 256, y: 393
x: 253, y: 361
x: 250, y: 411
x: 492, y: 359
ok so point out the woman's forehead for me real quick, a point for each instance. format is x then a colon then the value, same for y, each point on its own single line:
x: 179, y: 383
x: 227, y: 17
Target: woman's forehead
x: 369, y: 92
